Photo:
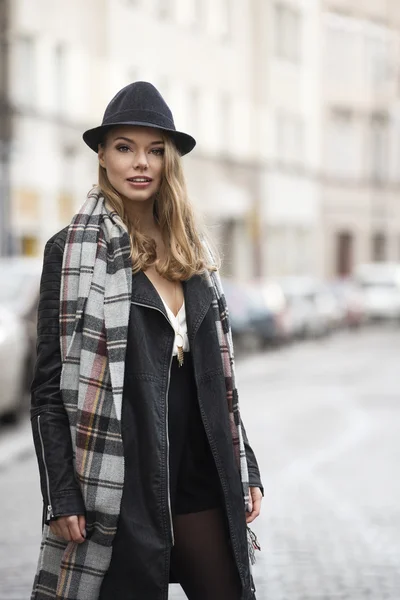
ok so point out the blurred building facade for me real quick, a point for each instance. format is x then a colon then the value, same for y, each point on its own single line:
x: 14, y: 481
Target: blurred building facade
x: 68, y: 59
x: 51, y: 45
x: 287, y: 79
x: 361, y: 141
x: 5, y: 130
x: 294, y: 103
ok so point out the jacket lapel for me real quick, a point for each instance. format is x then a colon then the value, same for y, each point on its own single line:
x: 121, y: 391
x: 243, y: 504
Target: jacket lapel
x: 144, y: 292
x: 196, y: 291
x: 198, y: 298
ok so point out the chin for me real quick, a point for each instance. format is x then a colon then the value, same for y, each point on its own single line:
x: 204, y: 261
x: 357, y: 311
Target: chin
x: 139, y: 196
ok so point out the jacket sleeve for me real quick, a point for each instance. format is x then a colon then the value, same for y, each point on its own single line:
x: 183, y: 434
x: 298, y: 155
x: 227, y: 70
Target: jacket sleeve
x: 252, y: 465
x: 50, y: 425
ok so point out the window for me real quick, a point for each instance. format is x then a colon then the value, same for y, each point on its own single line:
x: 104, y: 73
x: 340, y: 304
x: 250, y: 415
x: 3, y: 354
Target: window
x: 25, y: 71
x: 225, y: 18
x: 29, y: 245
x: 164, y: 9
x: 341, y: 53
x: 66, y: 206
x: 343, y: 145
x: 199, y: 13
x: 287, y: 28
x: 218, y: 15
x: 379, y: 149
x: 60, y: 78
x: 289, y: 137
x: 225, y: 120
x: 26, y: 203
x: 379, y: 247
x: 194, y: 110
x: 344, y: 253
x: 227, y: 242
x: 378, y: 57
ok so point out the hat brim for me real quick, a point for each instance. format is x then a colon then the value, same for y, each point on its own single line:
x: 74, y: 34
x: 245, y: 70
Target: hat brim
x: 183, y: 141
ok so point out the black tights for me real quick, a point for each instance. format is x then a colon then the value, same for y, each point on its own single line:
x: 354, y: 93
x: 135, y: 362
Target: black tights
x: 202, y: 558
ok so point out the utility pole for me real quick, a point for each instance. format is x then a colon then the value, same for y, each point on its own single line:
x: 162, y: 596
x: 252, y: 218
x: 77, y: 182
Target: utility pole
x: 5, y: 132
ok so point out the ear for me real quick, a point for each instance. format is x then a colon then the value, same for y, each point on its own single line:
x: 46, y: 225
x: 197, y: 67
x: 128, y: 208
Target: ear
x: 100, y: 154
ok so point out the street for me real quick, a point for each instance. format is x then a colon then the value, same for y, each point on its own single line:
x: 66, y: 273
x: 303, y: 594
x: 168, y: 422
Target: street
x: 323, y: 419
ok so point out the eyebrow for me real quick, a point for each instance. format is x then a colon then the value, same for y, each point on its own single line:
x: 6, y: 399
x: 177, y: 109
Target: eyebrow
x: 126, y: 139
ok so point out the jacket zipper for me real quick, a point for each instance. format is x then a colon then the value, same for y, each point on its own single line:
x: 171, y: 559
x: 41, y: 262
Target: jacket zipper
x: 167, y: 432
x: 49, y: 509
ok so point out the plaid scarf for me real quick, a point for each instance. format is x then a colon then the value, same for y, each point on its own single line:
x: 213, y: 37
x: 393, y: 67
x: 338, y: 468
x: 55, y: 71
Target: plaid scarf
x: 94, y: 313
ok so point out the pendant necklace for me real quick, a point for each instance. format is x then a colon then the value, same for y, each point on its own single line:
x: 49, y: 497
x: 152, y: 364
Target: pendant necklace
x: 180, y: 355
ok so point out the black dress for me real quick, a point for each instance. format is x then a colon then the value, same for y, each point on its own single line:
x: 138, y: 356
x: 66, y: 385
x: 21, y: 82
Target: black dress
x: 194, y: 481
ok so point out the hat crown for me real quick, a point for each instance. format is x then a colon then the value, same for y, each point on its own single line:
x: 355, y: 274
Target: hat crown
x: 139, y: 96
x: 139, y: 104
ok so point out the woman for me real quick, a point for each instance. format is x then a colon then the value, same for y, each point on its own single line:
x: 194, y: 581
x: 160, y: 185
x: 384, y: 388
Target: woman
x: 146, y: 471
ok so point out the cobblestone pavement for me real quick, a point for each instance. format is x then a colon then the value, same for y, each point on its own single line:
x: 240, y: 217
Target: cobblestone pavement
x: 323, y: 418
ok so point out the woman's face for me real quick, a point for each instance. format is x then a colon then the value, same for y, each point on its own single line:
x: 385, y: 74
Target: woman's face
x: 133, y: 158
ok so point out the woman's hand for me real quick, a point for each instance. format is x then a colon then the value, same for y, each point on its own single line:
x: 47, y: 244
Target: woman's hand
x: 71, y: 529
x: 255, y: 503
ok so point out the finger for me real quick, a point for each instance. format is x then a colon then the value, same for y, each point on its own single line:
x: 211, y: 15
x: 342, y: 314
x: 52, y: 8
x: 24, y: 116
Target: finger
x: 74, y: 530
x: 255, y: 493
x: 250, y: 501
x: 55, y: 529
x: 82, y: 525
x: 250, y: 518
x: 64, y: 531
x: 257, y: 506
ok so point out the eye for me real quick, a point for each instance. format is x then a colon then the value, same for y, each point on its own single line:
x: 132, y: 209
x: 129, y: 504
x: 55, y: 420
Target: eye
x: 158, y: 151
x: 122, y: 148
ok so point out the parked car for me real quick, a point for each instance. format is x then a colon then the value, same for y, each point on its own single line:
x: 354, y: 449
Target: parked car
x: 306, y: 313
x: 351, y: 299
x: 265, y: 323
x: 238, y: 305
x: 19, y: 292
x: 380, y: 283
x: 253, y: 323
x: 14, y: 350
x: 329, y: 306
x: 276, y: 303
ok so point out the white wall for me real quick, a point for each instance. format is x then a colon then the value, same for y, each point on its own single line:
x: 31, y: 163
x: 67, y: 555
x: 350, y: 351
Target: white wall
x: 291, y: 197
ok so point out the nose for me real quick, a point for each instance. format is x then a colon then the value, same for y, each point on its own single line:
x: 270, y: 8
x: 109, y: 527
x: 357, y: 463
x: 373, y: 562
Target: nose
x: 140, y: 160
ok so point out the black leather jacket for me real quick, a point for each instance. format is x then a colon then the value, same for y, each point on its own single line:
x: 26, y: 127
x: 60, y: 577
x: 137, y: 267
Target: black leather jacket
x: 50, y: 425
x: 60, y: 490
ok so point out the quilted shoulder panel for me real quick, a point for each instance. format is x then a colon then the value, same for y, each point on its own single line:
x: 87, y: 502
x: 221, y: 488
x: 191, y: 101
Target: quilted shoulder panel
x: 49, y: 298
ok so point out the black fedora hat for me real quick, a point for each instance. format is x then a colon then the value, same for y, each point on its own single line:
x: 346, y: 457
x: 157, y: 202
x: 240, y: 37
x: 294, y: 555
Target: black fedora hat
x: 139, y: 103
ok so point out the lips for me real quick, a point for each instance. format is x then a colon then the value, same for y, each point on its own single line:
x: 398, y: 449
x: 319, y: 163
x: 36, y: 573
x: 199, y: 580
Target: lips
x: 140, y: 179
x: 139, y: 182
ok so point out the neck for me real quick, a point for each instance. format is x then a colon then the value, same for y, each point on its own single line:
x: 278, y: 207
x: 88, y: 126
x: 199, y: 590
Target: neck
x: 142, y: 212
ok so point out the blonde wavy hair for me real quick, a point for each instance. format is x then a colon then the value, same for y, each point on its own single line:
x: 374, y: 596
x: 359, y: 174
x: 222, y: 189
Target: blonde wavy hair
x: 181, y: 229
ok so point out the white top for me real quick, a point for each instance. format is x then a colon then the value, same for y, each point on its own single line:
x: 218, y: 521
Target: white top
x: 178, y: 322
